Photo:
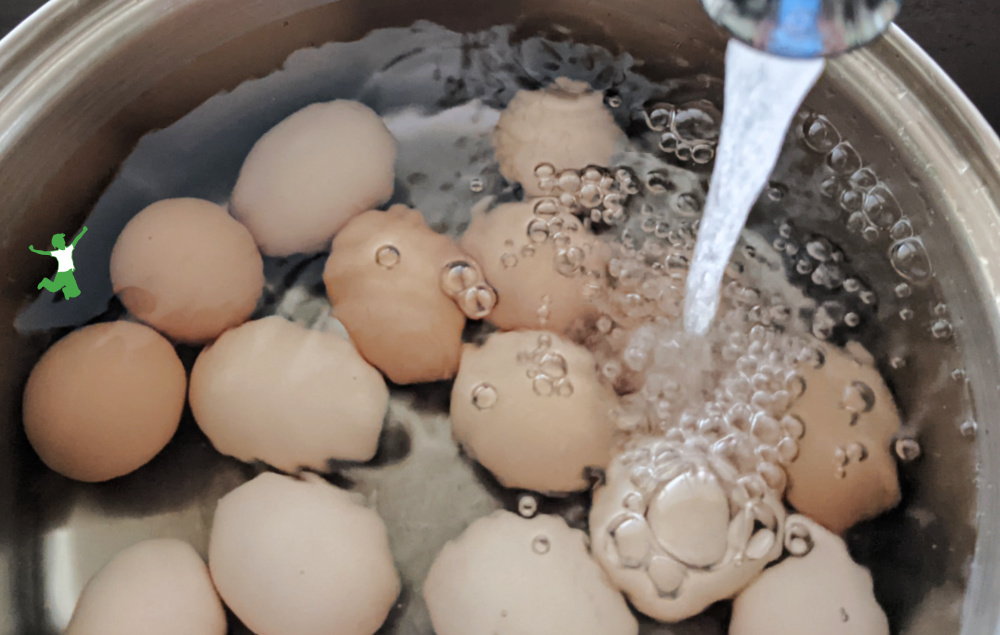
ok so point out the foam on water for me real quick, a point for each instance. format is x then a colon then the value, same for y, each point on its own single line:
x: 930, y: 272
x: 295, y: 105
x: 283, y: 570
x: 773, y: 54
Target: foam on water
x: 763, y: 93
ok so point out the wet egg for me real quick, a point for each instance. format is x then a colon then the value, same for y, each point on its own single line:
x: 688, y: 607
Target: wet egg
x: 544, y: 264
x: 155, y: 587
x: 312, y: 173
x: 403, y: 292
x: 301, y: 556
x: 563, y: 126
x: 275, y: 391
x: 187, y: 269
x: 530, y: 407
x: 822, y: 592
x: 845, y: 471
x: 104, y: 400
x: 508, y: 574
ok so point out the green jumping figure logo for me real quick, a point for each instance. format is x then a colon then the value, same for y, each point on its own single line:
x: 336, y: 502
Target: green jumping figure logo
x: 63, y: 280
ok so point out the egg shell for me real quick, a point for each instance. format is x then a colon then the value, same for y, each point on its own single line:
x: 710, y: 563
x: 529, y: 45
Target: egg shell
x: 104, y: 400
x: 666, y: 535
x: 187, y: 269
x: 821, y: 593
x: 508, y: 575
x: 302, y: 557
x: 869, y: 485
x: 312, y: 173
x: 534, y: 291
x: 275, y: 391
x: 155, y: 587
x: 565, y: 125
x: 528, y: 429
x: 398, y: 316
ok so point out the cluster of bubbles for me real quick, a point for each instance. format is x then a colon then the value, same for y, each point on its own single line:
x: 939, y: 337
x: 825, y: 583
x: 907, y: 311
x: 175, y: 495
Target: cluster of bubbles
x: 547, y: 369
x: 595, y: 193
x: 689, y: 131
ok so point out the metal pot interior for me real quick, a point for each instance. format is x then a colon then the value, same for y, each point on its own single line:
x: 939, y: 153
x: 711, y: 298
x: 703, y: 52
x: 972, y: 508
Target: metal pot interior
x: 82, y: 86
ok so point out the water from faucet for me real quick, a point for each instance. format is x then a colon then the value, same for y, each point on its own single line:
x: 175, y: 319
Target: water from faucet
x: 763, y: 92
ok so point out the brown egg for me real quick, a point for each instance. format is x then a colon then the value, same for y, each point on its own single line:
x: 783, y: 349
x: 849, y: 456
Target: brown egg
x: 187, y: 269
x: 104, y: 400
x: 818, y: 590
x: 544, y: 264
x: 678, y: 527
x: 403, y: 293
x: 278, y: 392
x: 156, y: 587
x: 311, y: 174
x: 845, y: 471
x: 508, y: 574
x: 529, y: 406
x: 564, y: 125
x: 302, y: 557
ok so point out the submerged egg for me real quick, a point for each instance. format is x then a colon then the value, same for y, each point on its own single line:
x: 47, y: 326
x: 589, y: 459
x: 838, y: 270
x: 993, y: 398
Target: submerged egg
x: 311, y: 174
x: 507, y: 574
x: 530, y: 407
x: 156, y: 587
x: 104, y: 400
x: 187, y: 269
x: 564, y: 125
x: 302, y: 557
x: 403, y: 292
x: 678, y: 528
x: 845, y: 471
x: 277, y: 392
x: 544, y: 264
x: 822, y: 592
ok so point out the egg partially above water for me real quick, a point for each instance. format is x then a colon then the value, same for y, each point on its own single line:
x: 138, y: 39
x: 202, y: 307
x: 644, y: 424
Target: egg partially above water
x: 187, y: 269
x: 542, y: 261
x: 312, y: 173
x: 564, y: 125
x: 275, y: 391
x: 104, y: 400
x: 845, y: 471
x: 530, y: 407
x: 301, y: 557
x: 403, y: 292
x: 155, y: 587
x: 508, y: 575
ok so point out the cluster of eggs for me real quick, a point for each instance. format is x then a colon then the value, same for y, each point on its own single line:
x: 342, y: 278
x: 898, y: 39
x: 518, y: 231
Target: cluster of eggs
x: 684, y: 515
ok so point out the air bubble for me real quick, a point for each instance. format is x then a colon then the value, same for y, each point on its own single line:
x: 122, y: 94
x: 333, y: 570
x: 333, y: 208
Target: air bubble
x: 942, y: 329
x: 570, y: 181
x: 554, y: 365
x: 902, y: 229
x: 856, y: 453
x: 864, y: 179
x: 541, y: 545
x: 697, y: 122
x: 857, y: 222
x: 903, y: 290
x: 484, y: 396
x: 569, y: 261
x: 615, y: 101
x: 546, y: 208
x: 538, y: 231
x: 508, y: 260
x: 702, y: 154
x: 527, y: 506
x: 906, y: 314
x: 669, y: 142
x: 909, y: 259
x: 543, y: 386
x: 660, y: 117
x: 852, y: 200
x: 870, y: 233
x: 820, y: 249
x: 798, y: 540
x: 387, y: 256
x: 843, y: 159
x: 590, y: 195
x: 852, y: 319
x: 897, y: 362
x: 689, y: 204
x: 881, y: 208
x: 969, y: 429
x: 545, y: 171
x: 858, y: 398
x: 476, y: 185
x: 907, y: 449
x: 478, y: 302
x: 819, y: 134
x: 831, y: 187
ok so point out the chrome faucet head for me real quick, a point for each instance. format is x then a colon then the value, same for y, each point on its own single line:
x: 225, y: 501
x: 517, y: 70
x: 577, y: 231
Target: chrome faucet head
x: 804, y: 28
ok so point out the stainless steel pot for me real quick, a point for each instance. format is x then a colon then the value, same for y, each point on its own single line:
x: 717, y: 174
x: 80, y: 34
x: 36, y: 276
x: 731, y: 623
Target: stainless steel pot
x: 81, y: 82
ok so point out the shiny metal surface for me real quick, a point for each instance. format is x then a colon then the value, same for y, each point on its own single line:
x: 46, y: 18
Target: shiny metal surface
x: 804, y: 28
x: 80, y: 83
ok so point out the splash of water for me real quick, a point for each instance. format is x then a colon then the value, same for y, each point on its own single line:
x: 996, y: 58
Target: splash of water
x: 763, y: 93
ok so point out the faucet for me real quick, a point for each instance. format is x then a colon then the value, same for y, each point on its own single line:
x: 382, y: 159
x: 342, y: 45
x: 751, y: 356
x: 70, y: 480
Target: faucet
x: 804, y: 28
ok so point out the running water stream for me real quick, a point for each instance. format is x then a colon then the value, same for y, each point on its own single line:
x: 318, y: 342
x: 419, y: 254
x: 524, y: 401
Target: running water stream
x: 763, y: 92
